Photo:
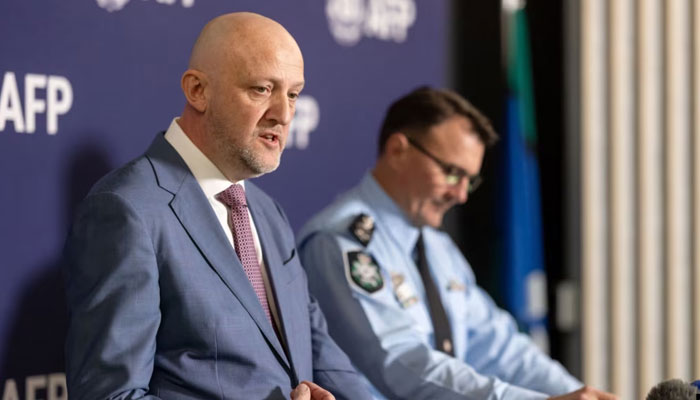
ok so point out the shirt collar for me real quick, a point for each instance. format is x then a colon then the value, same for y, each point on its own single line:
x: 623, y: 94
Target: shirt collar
x: 388, y: 214
x: 209, y: 177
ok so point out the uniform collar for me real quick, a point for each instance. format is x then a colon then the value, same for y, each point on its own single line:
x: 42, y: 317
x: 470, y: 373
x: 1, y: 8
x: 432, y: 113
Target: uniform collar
x: 389, y: 216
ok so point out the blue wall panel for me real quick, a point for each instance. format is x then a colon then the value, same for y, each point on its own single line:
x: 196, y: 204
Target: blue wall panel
x: 100, y: 78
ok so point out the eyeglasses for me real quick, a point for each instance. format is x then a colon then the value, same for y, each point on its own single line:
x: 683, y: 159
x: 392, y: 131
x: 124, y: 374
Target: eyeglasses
x: 453, y: 174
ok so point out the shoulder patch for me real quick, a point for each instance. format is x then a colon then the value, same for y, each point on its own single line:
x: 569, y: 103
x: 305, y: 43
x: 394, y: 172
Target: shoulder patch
x: 364, y: 271
x: 362, y: 228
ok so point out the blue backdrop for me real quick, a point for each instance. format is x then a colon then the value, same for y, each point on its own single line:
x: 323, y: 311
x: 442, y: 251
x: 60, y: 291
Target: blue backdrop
x: 85, y: 86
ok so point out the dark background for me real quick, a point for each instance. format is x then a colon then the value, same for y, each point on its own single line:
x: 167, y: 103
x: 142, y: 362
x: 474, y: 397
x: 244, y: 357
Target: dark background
x: 478, y: 73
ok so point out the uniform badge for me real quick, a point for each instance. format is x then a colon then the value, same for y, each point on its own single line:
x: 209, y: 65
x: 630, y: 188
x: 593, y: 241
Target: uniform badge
x: 362, y: 228
x: 364, y: 271
x: 403, y: 290
x: 456, y: 286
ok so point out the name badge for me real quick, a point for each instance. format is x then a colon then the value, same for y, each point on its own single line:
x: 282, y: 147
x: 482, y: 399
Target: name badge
x: 403, y: 290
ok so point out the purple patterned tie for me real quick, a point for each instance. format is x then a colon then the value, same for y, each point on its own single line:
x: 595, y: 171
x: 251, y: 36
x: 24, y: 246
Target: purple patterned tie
x: 234, y: 198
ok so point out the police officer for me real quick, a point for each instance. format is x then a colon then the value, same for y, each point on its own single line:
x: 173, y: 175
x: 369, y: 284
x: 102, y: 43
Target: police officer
x: 399, y: 296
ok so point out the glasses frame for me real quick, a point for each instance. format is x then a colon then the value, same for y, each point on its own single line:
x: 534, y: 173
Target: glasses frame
x: 453, y: 174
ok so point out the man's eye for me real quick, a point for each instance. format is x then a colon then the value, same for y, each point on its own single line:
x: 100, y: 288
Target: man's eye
x: 294, y: 96
x: 260, y: 89
x: 455, y: 172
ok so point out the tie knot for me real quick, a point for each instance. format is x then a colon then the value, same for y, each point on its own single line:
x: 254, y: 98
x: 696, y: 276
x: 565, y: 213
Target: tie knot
x: 419, y: 247
x: 419, y: 240
x: 233, y: 196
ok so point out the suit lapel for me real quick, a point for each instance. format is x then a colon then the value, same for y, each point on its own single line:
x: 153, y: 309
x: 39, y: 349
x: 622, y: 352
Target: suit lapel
x: 273, y: 251
x: 197, y: 217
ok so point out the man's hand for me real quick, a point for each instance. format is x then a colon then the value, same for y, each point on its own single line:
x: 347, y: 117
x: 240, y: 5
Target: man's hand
x: 310, y: 391
x: 586, y: 393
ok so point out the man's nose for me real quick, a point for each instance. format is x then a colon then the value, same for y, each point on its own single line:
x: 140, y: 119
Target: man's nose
x: 281, y: 109
x: 460, y: 191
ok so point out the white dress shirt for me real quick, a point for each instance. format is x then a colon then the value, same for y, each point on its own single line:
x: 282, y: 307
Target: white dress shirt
x: 212, y: 181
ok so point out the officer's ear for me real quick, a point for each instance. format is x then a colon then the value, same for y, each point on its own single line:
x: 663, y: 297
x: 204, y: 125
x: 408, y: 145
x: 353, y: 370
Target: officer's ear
x: 194, y: 85
x: 396, y: 149
x: 397, y: 144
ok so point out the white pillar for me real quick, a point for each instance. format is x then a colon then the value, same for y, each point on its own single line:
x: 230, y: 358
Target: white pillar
x: 650, y: 214
x: 594, y: 184
x: 623, y: 199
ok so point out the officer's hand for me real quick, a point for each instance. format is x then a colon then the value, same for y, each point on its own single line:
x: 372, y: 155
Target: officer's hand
x: 310, y: 391
x: 586, y: 393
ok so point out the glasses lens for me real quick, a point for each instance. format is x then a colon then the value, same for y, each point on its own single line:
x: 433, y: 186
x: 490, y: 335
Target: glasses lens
x: 474, y: 183
x: 452, y: 179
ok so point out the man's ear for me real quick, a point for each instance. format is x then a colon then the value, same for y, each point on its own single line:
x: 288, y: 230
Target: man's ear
x: 194, y: 85
x: 397, y: 144
x: 396, y: 148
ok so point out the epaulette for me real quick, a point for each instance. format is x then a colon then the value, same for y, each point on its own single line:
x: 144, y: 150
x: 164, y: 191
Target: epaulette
x: 362, y: 228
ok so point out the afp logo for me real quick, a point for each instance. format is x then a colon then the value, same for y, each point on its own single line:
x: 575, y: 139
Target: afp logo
x: 48, y: 387
x: 305, y: 121
x: 56, y: 101
x: 389, y: 20
x: 116, y: 5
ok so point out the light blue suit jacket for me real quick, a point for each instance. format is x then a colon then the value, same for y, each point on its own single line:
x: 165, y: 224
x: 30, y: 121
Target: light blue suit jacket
x: 160, y: 306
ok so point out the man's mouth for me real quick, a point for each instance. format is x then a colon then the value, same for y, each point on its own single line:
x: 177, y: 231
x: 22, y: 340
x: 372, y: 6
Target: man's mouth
x: 270, y: 137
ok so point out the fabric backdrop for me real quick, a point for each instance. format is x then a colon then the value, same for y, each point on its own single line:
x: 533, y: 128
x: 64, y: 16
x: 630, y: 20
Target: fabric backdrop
x: 85, y: 86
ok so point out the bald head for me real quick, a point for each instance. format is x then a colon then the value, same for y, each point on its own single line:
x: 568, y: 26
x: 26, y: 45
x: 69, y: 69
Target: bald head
x: 245, y: 74
x: 235, y: 35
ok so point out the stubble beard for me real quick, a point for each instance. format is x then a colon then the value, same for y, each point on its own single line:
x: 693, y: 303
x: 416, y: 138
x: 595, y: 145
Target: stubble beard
x: 255, y: 163
x: 241, y: 154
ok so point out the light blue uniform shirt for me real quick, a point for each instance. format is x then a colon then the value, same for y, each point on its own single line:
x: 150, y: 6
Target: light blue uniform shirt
x: 388, y: 332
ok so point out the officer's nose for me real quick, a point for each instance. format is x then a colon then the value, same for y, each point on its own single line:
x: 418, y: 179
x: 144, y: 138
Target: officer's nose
x: 460, y: 191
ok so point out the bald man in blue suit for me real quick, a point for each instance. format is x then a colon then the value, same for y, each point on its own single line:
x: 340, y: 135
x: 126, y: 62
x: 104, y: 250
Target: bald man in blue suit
x: 160, y: 305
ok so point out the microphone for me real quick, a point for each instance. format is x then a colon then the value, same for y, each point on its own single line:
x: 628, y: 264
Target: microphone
x: 673, y: 389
